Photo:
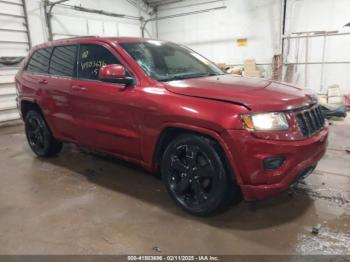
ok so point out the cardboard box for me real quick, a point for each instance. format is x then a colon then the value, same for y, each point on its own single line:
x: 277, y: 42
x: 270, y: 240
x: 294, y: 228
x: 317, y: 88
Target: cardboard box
x: 249, y: 65
x: 252, y: 73
x: 235, y: 71
x: 222, y: 66
x: 322, y: 99
x: 250, y: 68
x: 337, y: 100
x: 334, y: 90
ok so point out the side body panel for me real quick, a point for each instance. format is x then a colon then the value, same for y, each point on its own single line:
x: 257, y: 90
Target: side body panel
x: 104, y: 116
x: 57, y: 104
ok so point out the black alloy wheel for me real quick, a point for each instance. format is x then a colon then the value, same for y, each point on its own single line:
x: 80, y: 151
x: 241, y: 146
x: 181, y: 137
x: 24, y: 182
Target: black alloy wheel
x: 195, y: 175
x: 39, y: 136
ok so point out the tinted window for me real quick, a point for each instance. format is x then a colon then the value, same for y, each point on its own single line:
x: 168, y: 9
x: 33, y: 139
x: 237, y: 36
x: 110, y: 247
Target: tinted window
x: 63, y: 60
x: 91, y: 58
x: 39, y: 62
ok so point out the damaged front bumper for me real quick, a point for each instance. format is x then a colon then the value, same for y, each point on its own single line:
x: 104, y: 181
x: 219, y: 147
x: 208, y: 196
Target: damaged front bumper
x: 248, y: 152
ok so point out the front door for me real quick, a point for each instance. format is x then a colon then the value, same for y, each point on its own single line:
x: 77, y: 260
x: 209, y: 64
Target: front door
x: 103, y: 112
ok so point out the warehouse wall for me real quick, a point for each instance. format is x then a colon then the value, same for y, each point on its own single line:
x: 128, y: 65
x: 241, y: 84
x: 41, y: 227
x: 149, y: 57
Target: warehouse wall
x: 214, y: 34
x: 13, y: 43
x: 65, y: 23
x: 314, y: 15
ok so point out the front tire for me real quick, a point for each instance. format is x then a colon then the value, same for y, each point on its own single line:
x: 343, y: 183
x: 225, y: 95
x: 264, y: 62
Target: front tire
x: 39, y: 135
x: 196, y: 177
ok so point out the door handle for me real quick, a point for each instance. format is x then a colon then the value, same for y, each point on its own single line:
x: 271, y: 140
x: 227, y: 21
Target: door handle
x: 78, y: 88
x: 43, y: 81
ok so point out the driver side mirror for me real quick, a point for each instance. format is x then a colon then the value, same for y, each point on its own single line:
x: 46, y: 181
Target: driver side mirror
x: 114, y: 73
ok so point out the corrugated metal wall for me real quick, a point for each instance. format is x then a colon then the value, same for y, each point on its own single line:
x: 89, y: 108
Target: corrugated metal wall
x: 8, y: 109
x: 85, y: 23
x: 14, y: 42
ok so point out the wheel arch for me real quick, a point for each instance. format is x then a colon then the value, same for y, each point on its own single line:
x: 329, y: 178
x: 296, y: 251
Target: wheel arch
x: 32, y: 104
x: 171, y: 131
x: 27, y: 105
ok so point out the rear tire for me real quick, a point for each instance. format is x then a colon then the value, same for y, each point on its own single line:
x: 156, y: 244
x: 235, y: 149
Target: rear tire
x: 39, y: 135
x: 195, y: 175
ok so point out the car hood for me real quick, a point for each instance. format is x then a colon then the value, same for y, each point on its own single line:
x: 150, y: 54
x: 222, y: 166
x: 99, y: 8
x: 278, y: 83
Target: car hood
x: 255, y: 93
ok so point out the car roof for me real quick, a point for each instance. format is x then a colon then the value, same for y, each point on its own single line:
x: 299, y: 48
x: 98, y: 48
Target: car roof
x: 81, y: 39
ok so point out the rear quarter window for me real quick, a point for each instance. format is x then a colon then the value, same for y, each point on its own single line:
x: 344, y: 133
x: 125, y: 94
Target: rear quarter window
x: 39, y: 61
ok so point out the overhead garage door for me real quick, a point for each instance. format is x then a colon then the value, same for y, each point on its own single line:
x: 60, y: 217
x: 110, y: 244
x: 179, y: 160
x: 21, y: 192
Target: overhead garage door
x: 88, y: 21
x: 14, y: 45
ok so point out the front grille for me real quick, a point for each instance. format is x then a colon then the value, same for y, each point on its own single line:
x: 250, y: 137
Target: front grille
x: 310, y: 121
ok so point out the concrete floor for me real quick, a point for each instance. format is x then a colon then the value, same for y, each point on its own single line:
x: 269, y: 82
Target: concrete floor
x: 83, y: 204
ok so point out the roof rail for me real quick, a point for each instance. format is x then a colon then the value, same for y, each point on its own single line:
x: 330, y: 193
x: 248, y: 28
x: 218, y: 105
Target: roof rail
x: 84, y: 36
x: 74, y: 37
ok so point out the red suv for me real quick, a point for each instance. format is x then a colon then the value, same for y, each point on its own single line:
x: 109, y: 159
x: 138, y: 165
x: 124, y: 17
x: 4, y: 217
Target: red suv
x: 163, y: 106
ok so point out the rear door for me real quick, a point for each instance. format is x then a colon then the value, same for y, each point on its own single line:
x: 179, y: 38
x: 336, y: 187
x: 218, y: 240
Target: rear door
x: 61, y: 72
x: 34, y: 79
x: 104, y: 111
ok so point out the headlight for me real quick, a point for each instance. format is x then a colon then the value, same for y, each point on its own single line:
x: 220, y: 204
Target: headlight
x: 266, y: 121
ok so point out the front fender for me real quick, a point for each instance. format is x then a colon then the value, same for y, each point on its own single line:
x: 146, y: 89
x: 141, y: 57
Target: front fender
x: 200, y: 130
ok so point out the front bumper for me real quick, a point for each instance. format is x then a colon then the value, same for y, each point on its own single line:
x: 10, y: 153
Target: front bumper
x: 249, y: 151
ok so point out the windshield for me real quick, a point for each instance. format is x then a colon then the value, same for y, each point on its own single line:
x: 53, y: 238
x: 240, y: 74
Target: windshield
x: 167, y: 61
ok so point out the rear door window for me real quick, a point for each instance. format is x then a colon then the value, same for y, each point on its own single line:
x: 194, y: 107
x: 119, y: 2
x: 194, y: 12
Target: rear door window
x: 63, y: 61
x: 91, y: 58
x: 39, y: 62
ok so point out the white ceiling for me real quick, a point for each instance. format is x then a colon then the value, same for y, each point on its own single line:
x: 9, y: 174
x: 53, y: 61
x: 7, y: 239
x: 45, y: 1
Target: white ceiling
x: 156, y: 3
